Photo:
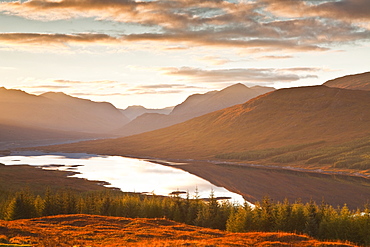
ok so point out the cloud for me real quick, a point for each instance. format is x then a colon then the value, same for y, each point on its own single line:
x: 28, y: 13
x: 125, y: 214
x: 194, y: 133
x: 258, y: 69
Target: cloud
x: 141, y: 91
x: 85, y: 82
x: 224, y: 39
x: 252, y: 75
x: 347, y: 10
x: 256, y: 26
x: 99, y: 94
x: 43, y: 39
x: 46, y: 87
x: 167, y: 13
x: 214, y: 60
x: 7, y: 68
x: 162, y: 86
x: 161, y: 89
x: 275, y: 57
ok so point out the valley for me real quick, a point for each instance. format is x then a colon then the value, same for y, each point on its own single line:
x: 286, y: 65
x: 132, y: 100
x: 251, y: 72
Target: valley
x: 298, y: 145
x: 184, y: 123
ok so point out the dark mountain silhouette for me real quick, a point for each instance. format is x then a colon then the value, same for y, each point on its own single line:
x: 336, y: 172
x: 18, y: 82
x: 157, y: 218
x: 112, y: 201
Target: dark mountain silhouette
x: 25, y: 116
x: 294, y: 116
x: 194, y: 106
x: 358, y: 82
x: 137, y: 110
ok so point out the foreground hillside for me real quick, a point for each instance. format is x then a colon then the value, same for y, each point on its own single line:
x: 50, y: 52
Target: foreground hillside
x: 88, y: 230
x: 305, y: 126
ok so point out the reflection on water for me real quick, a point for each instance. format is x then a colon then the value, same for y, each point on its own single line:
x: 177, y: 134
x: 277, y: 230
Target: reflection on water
x: 127, y: 174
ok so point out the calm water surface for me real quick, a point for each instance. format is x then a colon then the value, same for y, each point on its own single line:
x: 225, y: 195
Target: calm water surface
x: 127, y: 174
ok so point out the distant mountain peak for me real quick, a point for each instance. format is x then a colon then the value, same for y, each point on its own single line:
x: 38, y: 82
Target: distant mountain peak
x: 237, y: 85
x: 135, y: 107
x: 56, y: 95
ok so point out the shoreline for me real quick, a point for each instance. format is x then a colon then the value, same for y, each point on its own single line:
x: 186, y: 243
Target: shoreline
x: 172, y: 163
x: 254, y: 182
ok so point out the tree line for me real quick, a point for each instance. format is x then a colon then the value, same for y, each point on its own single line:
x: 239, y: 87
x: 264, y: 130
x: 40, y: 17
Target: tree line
x: 319, y: 221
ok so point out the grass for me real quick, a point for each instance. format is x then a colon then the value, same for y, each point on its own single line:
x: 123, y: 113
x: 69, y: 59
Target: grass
x: 15, y: 245
x: 38, y: 180
x: 87, y: 230
x: 349, y: 155
x: 266, y: 153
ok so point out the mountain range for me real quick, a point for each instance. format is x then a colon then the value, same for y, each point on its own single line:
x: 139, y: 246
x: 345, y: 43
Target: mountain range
x: 51, y: 116
x: 195, y: 105
x: 135, y: 111
x: 295, y: 124
x: 27, y: 119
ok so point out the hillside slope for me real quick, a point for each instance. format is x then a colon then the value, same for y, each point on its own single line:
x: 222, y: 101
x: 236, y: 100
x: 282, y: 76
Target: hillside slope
x: 357, y: 82
x: 195, y: 105
x: 89, y: 230
x: 316, y: 116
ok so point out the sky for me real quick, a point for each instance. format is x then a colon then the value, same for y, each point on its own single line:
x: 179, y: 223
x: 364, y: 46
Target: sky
x: 156, y: 53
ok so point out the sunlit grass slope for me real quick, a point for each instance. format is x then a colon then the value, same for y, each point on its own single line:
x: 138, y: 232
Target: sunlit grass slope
x: 87, y: 230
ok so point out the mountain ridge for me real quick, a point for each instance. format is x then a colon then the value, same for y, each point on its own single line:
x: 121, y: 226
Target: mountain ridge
x: 135, y: 111
x: 28, y: 117
x: 195, y: 105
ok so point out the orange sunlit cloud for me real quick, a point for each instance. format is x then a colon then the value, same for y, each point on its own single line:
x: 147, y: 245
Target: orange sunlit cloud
x: 347, y: 10
x: 214, y: 24
x: 246, y: 75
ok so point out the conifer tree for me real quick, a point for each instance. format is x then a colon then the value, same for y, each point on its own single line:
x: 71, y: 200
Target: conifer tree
x: 312, y: 223
x: 267, y: 221
x: 283, y: 217
x: 48, y: 207
x: 21, y: 207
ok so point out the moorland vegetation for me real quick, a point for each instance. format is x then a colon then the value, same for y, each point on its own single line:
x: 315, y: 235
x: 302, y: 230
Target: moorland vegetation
x: 319, y: 221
